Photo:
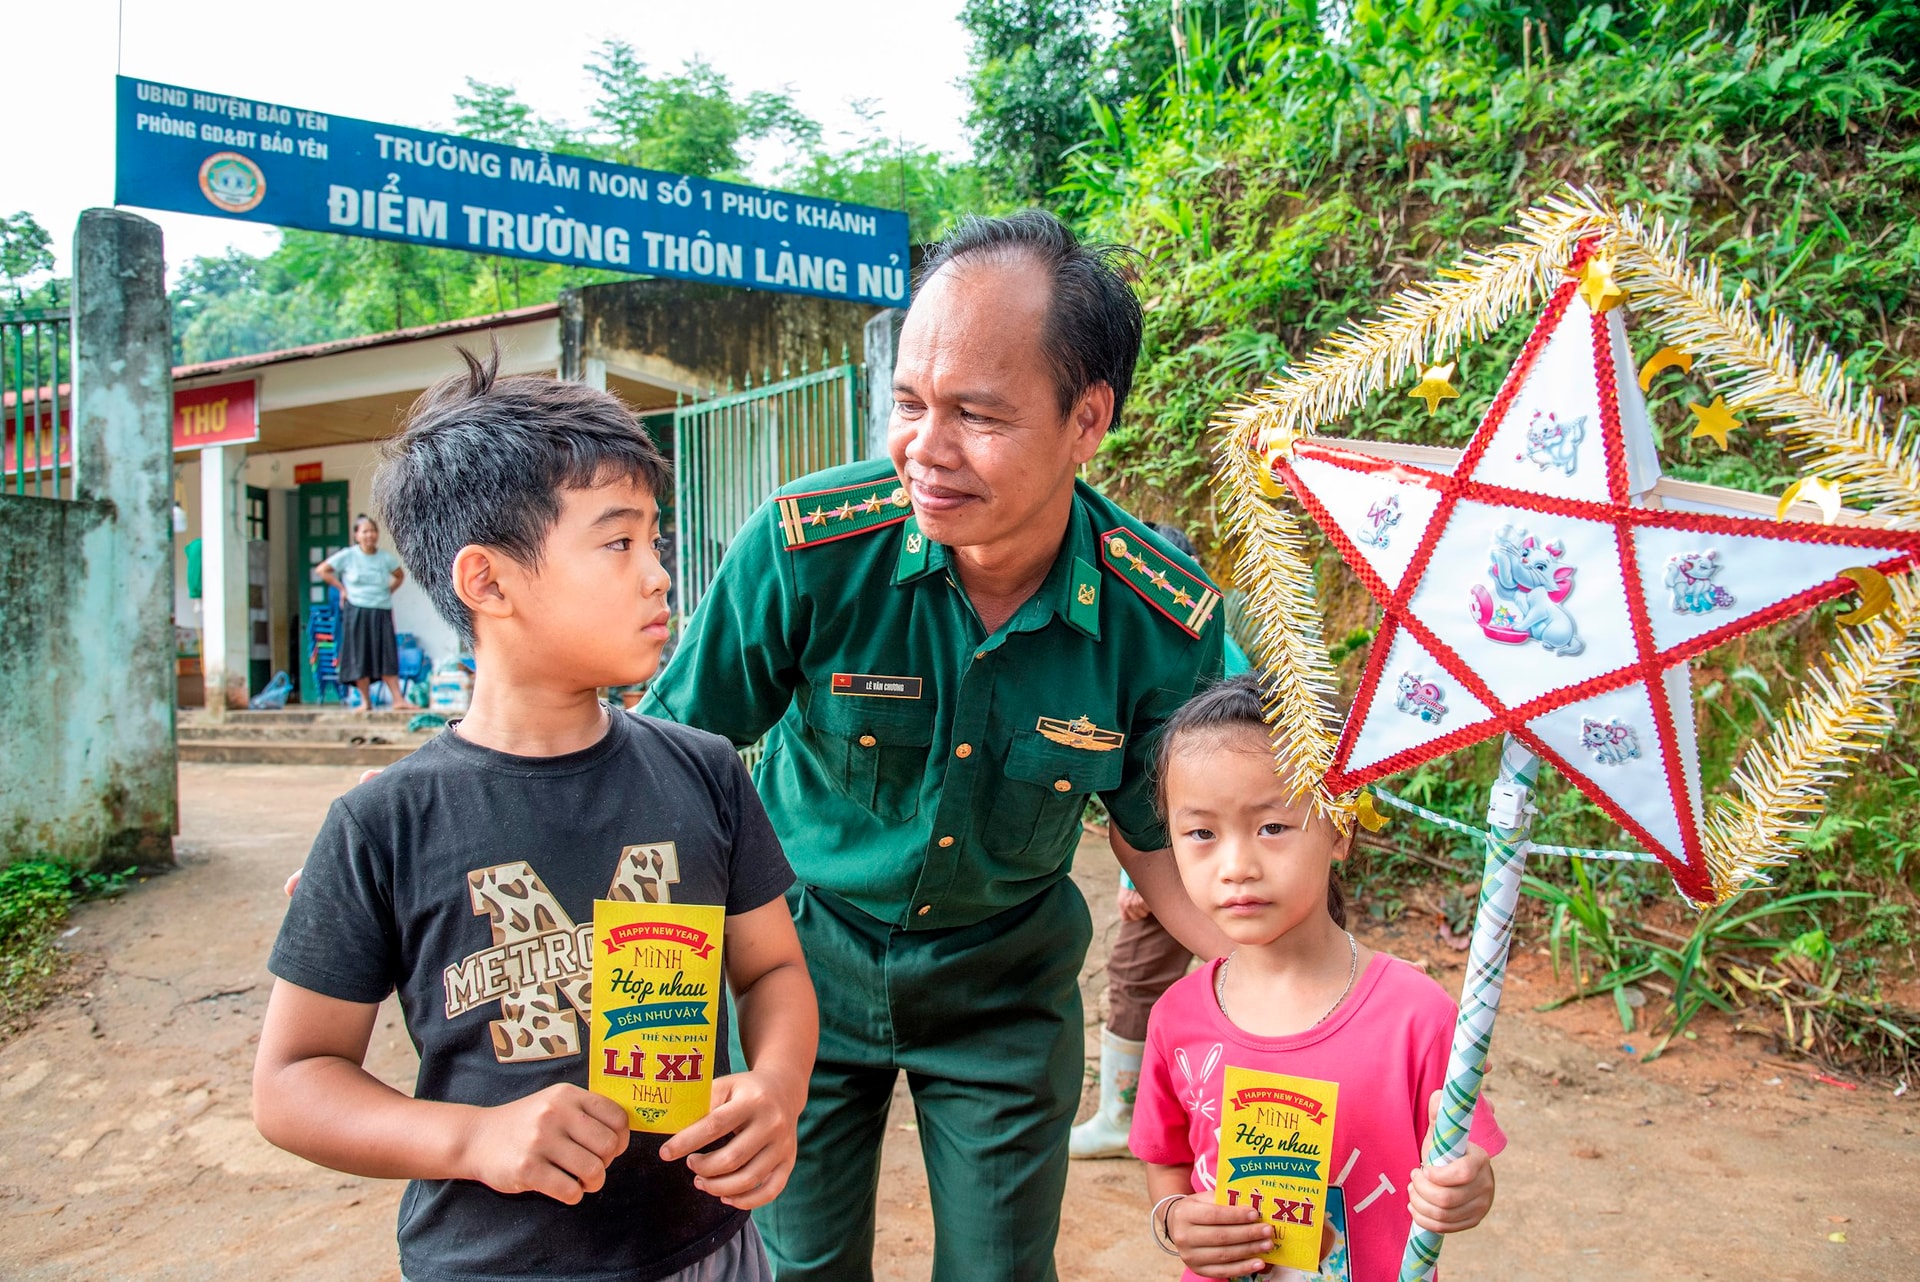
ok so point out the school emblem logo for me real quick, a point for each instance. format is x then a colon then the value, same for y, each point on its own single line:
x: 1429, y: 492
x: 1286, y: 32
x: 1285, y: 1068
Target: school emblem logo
x: 232, y: 182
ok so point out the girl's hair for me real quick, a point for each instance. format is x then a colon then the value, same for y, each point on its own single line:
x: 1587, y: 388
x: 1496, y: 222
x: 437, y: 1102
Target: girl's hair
x: 1216, y: 713
x: 364, y: 519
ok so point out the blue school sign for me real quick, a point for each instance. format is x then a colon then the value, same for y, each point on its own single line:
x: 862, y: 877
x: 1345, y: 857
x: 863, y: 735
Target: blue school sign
x: 204, y: 153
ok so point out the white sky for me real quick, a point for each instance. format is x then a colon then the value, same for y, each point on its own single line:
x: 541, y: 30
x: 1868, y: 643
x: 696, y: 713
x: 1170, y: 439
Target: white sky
x: 401, y: 62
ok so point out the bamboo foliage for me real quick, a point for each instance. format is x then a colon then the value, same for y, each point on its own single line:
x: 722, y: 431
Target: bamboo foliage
x: 1836, y: 425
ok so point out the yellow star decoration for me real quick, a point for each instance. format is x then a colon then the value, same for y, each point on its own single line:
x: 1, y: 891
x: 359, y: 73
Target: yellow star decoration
x: 873, y: 503
x: 844, y: 512
x: 1434, y: 387
x: 1598, y: 286
x: 817, y: 517
x: 1159, y: 580
x: 1180, y: 597
x: 1716, y: 420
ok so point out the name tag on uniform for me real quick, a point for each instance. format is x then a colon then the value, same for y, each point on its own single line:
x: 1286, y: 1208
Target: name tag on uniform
x: 876, y: 687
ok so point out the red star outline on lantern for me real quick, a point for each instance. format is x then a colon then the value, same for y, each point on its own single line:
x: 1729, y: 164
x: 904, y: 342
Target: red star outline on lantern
x: 1652, y: 666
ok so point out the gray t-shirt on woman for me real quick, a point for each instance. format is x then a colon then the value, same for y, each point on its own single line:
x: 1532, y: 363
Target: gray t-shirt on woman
x: 366, y: 576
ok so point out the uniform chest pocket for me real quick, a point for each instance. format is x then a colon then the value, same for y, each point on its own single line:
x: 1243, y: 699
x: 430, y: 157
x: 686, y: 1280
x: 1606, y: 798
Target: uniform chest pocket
x: 874, y: 751
x: 1045, y: 792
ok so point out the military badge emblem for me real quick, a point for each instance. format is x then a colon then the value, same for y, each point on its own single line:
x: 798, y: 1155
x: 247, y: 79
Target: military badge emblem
x: 1080, y: 732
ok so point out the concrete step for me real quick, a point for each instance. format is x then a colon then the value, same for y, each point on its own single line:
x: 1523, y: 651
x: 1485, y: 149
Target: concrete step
x: 331, y: 714
x: 305, y: 732
x: 269, y: 752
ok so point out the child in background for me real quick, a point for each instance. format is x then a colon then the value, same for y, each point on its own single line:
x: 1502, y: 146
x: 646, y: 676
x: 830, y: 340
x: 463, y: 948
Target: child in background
x: 465, y: 877
x: 1298, y: 995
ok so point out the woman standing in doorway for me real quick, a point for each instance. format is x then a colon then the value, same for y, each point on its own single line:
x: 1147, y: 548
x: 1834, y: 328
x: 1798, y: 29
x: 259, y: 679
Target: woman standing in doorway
x: 366, y: 577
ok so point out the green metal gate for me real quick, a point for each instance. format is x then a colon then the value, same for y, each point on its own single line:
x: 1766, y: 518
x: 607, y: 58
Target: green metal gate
x: 36, y: 402
x: 732, y: 452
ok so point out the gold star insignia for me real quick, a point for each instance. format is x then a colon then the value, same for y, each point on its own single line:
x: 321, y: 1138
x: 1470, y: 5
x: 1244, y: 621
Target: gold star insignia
x: 1138, y: 562
x: 1434, y: 387
x: 1716, y: 420
x: 874, y: 503
x: 1597, y: 285
x: 817, y: 517
x: 844, y: 512
x: 1180, y: 597
x: 1159, y: 580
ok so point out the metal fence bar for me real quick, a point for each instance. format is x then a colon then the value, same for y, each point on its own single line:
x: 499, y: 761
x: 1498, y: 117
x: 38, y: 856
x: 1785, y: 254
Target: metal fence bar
x: 733, y: 451
x: 33, y: 359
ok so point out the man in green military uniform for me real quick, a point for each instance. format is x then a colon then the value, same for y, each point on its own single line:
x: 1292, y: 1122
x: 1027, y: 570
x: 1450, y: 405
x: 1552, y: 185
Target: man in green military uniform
x: 946, y: 654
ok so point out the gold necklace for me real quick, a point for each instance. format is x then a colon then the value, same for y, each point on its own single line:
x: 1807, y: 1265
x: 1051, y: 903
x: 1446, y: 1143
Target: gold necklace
x: 1353, y: 971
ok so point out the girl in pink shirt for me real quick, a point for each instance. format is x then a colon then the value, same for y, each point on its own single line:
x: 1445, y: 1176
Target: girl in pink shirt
x: 1296, y: 995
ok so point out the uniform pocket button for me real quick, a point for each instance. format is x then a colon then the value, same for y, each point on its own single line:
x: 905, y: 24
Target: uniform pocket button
x: 1061, y: 785
x: 964, y: 751
x: 867, y: 741
x: 945, y: 842
x: 924, y: 909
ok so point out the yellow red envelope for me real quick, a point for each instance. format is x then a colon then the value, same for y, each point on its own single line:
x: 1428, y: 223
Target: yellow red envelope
x: 1276, y: 1144
x: 656, y: 1009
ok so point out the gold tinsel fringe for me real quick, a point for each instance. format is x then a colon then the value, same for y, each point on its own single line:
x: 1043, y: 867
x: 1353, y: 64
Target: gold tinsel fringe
x: 1844, y: 713
x: 1833, y: 423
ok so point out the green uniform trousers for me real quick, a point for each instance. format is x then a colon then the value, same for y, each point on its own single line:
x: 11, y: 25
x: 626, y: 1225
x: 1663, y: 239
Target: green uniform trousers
x: 986, y: 1022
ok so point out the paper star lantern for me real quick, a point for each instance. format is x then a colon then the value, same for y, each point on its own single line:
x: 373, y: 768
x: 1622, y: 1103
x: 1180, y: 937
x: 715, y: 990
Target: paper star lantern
x: 1535, y: 589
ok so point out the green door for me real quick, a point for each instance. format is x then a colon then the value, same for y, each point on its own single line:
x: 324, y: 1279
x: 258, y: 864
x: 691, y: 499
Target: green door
x: 319, y: 530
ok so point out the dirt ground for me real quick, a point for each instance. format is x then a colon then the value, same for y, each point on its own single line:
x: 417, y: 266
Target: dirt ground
x: 126, y: 1148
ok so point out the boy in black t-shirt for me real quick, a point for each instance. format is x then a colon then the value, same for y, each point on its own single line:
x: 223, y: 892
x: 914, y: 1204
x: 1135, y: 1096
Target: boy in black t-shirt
x: 465, y: 877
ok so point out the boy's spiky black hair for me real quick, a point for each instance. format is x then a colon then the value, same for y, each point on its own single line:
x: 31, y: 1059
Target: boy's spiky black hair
x: 482, y: 460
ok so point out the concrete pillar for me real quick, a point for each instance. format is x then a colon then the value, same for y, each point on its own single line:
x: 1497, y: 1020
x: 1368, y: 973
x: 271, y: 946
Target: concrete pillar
x: 224, y: 648
x: 882, y: 338
x: 123, y: 458
x: 593, y: 372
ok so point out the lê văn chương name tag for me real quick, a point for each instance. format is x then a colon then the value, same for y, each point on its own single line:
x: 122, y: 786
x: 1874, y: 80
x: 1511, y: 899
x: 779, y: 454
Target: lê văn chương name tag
x: 656, y: 1004
x: 1276, y: 1140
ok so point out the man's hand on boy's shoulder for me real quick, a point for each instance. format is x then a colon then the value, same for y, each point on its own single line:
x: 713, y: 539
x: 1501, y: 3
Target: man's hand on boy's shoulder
x: 750, y: 1169
x: 558, y: 1141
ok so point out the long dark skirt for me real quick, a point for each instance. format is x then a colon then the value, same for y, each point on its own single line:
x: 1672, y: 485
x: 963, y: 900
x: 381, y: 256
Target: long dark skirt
x: 367, y: 651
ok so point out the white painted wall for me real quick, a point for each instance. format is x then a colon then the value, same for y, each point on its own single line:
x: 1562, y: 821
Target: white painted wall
x: 354, y: 464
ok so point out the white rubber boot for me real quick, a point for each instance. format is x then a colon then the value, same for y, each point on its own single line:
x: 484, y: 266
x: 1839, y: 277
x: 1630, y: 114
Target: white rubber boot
x: 1105, y: 1133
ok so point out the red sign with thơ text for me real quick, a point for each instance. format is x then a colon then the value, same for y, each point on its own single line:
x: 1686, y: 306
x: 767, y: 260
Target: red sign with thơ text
x: 224, y: 414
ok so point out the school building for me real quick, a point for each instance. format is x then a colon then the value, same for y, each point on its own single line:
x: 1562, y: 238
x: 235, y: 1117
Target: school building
x: 275, y: 452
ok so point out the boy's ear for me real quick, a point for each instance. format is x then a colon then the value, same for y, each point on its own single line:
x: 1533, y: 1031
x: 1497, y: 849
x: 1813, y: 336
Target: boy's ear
x: 480, y: 581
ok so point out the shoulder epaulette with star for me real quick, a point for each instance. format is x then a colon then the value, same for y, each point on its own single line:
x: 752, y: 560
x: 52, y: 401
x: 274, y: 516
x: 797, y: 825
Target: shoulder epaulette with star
x: 1183, y: 597
x: 822, y: 516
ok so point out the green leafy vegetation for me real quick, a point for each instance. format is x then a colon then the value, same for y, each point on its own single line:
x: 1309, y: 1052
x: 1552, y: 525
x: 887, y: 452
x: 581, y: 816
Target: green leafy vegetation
x: 1285, y: 174
x: 35, y: 897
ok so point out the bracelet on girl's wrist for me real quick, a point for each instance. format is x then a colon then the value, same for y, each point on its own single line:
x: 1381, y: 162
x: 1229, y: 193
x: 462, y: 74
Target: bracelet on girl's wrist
x: 1161, y: 1225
